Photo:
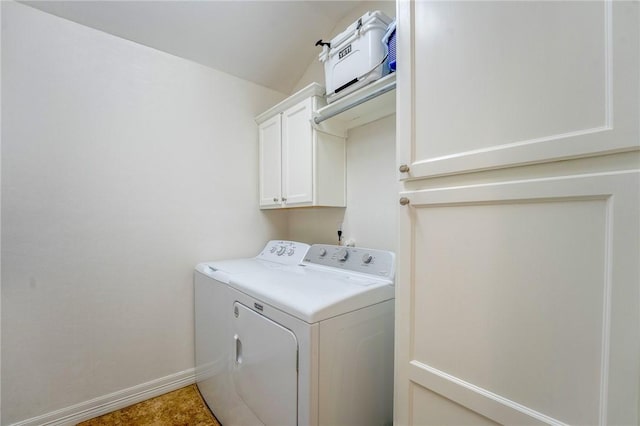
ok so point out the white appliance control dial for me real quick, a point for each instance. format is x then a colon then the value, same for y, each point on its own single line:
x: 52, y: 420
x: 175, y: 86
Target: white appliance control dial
x: 284, y: 252
x: 343, y: 255
x: 369, y: 261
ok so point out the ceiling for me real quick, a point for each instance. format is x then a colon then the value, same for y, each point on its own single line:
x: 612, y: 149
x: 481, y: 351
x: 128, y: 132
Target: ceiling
x: 268, y: 42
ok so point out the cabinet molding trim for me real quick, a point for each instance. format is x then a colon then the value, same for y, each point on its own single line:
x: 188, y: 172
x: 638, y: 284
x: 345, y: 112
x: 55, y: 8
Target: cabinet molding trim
x: 313, y: 89
x: 515, y: 190
x: 532, y: 151
x: 476, y: 398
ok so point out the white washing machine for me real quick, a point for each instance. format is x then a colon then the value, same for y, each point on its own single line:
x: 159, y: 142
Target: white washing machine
x: 308, y: 344
x: 213, y: 325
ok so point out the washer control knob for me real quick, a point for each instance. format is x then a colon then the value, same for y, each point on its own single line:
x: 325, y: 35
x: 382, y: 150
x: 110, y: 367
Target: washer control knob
x: 367, y: 258
x: 290, y: 252
x: 343, y: 255
x: 273, y: 249
x: 323, y: 252
x: 281, y: 250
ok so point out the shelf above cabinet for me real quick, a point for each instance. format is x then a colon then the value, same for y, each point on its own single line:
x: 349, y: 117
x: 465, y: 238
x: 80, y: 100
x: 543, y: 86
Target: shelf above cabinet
x: 363, y: 106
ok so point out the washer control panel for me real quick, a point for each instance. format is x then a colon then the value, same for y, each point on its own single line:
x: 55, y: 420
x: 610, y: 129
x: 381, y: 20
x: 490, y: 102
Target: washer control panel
x: 285, y: 252
x: 380, y: 263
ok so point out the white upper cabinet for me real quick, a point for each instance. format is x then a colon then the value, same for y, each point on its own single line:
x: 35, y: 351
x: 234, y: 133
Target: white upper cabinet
x: 557, y: 86
x: 300, y: 165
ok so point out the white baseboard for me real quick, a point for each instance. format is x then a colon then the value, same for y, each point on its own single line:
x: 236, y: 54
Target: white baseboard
x: 114, y: 401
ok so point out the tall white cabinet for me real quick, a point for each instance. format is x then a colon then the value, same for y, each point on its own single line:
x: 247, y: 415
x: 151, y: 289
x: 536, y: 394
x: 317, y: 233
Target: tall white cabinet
x: 518, y: 284
x: 301, y: 164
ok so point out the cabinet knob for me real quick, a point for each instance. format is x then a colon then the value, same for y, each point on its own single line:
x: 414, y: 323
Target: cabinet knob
x: 404, y: 201
x: 404, y: 168
x: 275, y: 199
x: 284, y: 200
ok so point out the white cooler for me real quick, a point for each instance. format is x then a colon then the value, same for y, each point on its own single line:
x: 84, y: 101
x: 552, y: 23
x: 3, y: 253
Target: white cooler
x: 356, y: 56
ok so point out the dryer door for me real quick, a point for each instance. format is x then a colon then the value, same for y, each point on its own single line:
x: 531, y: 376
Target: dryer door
x: 265, y: 367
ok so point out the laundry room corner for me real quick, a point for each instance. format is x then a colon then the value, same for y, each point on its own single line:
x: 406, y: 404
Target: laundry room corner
x: 370, y: 217
x: 319, y: 212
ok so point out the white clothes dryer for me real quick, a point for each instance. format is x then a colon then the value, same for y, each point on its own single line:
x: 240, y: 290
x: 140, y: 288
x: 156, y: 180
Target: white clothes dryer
x: 305, y: 345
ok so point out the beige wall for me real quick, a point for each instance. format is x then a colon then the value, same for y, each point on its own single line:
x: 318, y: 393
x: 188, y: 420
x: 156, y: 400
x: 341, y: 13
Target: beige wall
x: 122, y: 167
x: 370, y: 217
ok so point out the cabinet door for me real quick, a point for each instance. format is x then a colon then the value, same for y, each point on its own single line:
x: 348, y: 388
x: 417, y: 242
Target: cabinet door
x: 297, y: 154
x: 518, y: 303
x: 270, y: 133
x: 494, y: 84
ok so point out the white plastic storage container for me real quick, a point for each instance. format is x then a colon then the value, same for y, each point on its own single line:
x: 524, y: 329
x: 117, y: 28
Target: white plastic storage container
x: 356, y: 56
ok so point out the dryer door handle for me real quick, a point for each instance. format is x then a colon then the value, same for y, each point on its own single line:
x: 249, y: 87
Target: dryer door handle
x: 238, y: 345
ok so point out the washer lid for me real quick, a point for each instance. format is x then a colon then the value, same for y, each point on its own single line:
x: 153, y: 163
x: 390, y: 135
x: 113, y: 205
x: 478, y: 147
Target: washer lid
x: 223, y: 270
x: 314, y: 295
x: 276, y: 254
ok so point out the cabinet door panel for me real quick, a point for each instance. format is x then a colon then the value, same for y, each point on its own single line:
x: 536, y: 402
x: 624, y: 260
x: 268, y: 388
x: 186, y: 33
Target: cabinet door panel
x: 520, y: 300
x: 270, y: 162
x: 497, y: 84
x: 297, y: 154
